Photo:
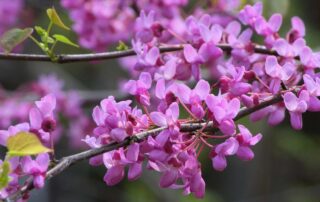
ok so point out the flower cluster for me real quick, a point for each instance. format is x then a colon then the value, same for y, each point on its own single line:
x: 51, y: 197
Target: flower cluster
x: 173, y: 122
x: 42, y: 123
x: 15, y: 108
x: 112, y: 21
x: 243, y: 78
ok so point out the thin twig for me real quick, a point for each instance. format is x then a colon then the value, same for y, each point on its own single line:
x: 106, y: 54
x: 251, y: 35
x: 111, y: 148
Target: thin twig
x: 68, y: 161
x: 68, y: 58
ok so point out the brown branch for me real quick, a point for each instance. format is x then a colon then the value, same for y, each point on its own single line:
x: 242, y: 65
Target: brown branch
x: 68, y: 161
x: 113, y: 54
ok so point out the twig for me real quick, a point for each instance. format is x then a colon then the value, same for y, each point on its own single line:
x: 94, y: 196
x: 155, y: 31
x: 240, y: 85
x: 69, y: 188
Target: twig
x: 69, y: 58
x: 68, y: 161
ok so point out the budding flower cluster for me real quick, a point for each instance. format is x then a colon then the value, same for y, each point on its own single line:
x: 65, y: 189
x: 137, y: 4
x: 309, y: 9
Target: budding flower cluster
x: 217, y: 77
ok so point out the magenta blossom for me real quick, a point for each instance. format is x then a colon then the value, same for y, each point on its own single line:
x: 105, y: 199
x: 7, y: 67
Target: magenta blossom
x: 193, y: 98
x: 223, y: 111
x: 219, y: 153
x: 146, y: 27
x: 42, y: 116
x: 240, y: 41
x: 37, y: 168
x: 278, y: 73
x: 309, y: 59
x: 169, y: 118
x: 140, y: 88
x: 268, y: 28
x: 289, y: 50
x: 42, y: 121
x: 116, y: 161
x: 275, y: 114
x: 296, y: 106
x: 146, y: 57
x: 168, y: 70
x: 233, y: 81
x: 240, y: 144
x: 250, y: 14
x: 297, y: 31
x: 312, y: 84
x: 117, y: 120
x: 246, y: 140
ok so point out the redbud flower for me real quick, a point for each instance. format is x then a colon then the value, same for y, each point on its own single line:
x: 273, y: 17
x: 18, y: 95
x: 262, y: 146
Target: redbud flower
x: 146, y: 57
x: 250, y: 14
x: 143, y: 26
x: 219, y: 153
x: 296, y: 106
x: 268, y: 28
x: 297, y: 31
x: 285, y: 49
x: 193, y: 98
x: 37, y: 168
x: 169, y: 118
x: 246, y: 140
x: 224, y: 112
x: 234, y: 85
x: 140, y: 88
x: 312, y: 84
x: 277, y: 72
x: 309, y: 59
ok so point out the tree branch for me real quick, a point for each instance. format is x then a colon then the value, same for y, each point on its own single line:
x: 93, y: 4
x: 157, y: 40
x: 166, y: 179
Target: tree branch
x: 68, y: 161
x: 114, y: 54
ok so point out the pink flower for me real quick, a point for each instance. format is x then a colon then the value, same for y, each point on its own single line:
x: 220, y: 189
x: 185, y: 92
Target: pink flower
x: 42, y: 121
x: 224, y: 112
x: 289, y: 50
x: 41, y: 117
x: 193, y: 98
x: 116, y: 161
x: 169, y: 118
x: 168, y: 70
x: 275, y: 114
x: 116, y: 120
x: 140, y: 88
x: 219, y: 153
x: 246, y: 140
x: 234, y: 85
x: 250, y: 14
x: 37, y: 168
x: 146, y: 26
x: 309, y: 59
x: 278, y: 73
x: 312, y: 84
x: 296, y: 106
x: 268, y: 28
x: 146, y: 58
x: 297, y: 31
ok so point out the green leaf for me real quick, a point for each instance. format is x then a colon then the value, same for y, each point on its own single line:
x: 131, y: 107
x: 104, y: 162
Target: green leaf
x: 4, y: 174
x: 40, y: 31
x: 24, y: 143
x: 55, y: 19
x: 47, y: 39
x: 122, y: 46
x: 64, y: 39
x: 14, y: 37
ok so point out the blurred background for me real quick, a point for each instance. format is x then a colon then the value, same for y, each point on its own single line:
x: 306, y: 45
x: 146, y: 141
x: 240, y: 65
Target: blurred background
x: 286, y: 165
